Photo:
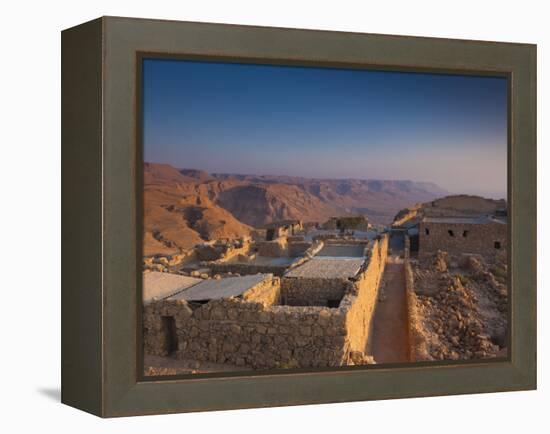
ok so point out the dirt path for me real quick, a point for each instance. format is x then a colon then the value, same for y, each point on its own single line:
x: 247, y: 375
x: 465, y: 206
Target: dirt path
x: 390, y: 339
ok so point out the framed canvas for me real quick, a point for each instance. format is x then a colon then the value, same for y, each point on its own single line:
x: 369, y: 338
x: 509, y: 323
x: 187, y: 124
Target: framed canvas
x: 259, y: 216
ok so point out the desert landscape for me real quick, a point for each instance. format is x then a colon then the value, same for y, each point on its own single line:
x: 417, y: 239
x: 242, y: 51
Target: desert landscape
x: 185, y: 207
x: 299, y: 217
x: 262, y: 272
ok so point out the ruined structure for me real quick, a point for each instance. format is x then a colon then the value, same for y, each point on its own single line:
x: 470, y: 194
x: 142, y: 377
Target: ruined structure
x: 222, y: 249
x: 318, y: 314
x: 282, y: 228
x: 360, y: 223
x: 276, y: 256
x: 457, y: 307
x: 158, y: 285
x: 484, y: 235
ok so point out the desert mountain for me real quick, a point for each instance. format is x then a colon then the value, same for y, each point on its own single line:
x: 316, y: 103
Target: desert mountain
x: 183, y: 207
x: 378, y: 199
x: 179, y: 215
x: 161, y: 174
x: 450, y: 206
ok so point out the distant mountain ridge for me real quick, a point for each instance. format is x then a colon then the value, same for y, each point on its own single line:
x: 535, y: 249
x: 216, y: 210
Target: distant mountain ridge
x: 186, y: 206
x: 374, y: 184
x: 378, y: 199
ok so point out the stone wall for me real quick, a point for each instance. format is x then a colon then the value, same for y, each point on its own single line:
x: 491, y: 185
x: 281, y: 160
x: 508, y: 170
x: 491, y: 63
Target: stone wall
x: 350, y: 222
x: 164, y: 263
x: 253, y: 330
x: 249, y: 333
x: 313, y: 291
x: 298, y: 248
x: 245, y: 268
x: 407, y: 247
x: 219, y: 250
x: 325, y: 237
x: 273, y: 248
x: 360, y: 304
x: 267, y: 292
x: 417, y: 341
x: 248, y: 266
x: 347, y: 240
x: 465, y: 238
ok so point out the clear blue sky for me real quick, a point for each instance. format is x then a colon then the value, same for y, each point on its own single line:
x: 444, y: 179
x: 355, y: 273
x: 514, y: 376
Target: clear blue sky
x: 327, y: 123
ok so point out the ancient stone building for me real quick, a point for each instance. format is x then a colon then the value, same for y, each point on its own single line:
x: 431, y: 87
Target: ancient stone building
x: 316, y: 315
x: 157, y: 285
x: 360, y: 223
x: 282, y: 228
x: 221, y: 249
x: 275, y: 257
x: 483, y: 235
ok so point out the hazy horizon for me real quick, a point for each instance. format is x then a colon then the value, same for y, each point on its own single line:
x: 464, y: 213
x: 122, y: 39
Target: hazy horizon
x: 261, y: 120
x: 267, y: 175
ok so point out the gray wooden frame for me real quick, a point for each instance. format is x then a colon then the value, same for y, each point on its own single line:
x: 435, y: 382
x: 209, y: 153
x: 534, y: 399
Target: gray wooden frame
x: 101, y: 232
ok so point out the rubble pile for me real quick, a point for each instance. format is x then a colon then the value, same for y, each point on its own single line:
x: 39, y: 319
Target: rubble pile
x: 463, y: 306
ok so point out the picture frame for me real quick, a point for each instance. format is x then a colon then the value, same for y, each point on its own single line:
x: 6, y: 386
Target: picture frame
x: 101, y: 229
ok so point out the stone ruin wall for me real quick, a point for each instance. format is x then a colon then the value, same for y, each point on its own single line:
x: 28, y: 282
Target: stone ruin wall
x: 347, y: 240
x: 274, y: 248
x: 212, y: 251
x: 298, y: 248
x: 480, y: 238
x: 302, y: 291
x: 249, y: 267
x: 164, y: 262
x: 255, y: 331
x: 417, y: 342
x: 249, y: 332
x: 360, y: 304
x: 245, y: 269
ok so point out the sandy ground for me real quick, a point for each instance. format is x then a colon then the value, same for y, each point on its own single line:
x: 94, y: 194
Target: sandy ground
x: 390, y: 332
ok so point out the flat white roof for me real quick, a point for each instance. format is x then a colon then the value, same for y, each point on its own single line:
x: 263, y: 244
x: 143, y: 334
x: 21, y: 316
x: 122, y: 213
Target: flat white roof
x: 157, y: 285
x: 213, y: 289
x: 343, y: 250
x: 328, y: 267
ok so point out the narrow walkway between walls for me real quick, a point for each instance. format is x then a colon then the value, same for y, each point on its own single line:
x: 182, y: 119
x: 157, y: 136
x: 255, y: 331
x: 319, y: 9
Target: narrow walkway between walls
x: 390, y: 331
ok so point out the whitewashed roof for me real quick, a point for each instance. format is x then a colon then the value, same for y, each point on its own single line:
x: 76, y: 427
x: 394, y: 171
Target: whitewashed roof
x: 214, y: 289
x: 157, y: 285
x: 328, y: 268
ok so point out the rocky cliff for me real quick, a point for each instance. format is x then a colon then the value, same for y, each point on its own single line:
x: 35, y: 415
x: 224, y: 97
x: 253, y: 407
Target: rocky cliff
x: 183, y: 207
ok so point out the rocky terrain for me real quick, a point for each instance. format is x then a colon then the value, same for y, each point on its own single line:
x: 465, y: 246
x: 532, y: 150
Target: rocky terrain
x: 183, y: 207
x: 461, y: 305
x: 452, y: 206
x: 176, y: 219
x: 378, y: 199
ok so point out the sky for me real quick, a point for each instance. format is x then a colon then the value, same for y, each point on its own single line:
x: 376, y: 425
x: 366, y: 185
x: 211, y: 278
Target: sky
x: 327, y: 123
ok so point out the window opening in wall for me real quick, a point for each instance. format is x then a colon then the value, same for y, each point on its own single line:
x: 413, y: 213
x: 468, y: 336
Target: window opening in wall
x: 170, y: 334
x: 465, y: 234
x: 497, y: 245
x: 195, y: 304
x: 427, y: 231
x: 451, y: 233
x: 333, y: 303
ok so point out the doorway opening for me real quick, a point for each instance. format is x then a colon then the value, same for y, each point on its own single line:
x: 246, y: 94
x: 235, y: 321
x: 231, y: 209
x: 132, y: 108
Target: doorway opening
x: 170, y: 334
